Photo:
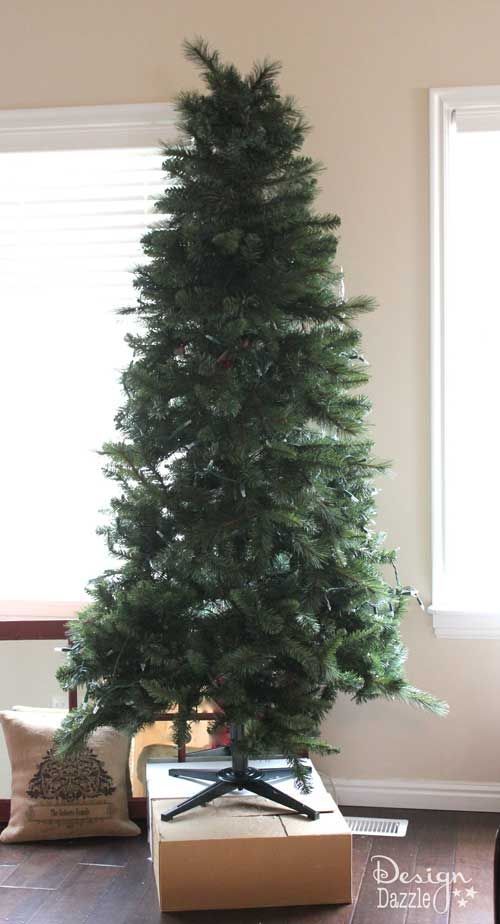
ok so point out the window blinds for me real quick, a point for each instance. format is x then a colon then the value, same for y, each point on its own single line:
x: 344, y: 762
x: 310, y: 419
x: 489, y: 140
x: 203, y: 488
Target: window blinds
x: 76, y: 215
x: 477, y: 119
x: 470, y: 382
x: 70, y: 229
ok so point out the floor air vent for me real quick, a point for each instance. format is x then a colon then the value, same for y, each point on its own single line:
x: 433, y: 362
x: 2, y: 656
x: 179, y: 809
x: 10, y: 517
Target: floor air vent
x: 378, y: 827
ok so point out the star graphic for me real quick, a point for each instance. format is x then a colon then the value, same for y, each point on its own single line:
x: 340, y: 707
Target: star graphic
x: 471, y: 893
x: 457, y: 892
x: 462, y: 902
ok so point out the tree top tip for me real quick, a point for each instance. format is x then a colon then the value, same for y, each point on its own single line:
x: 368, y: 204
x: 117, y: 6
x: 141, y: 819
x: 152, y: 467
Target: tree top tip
x: 199, y: 51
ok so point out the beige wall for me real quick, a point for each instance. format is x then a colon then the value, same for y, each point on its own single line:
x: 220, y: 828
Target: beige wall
x: 27, y: 678
x: 361, y: 69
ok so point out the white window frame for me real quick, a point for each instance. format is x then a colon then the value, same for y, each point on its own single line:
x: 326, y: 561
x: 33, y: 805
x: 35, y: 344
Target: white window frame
x: 481, y: 103
x: 80, y: 128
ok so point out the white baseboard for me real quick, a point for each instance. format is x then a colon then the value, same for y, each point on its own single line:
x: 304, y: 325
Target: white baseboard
x: 453, y: 795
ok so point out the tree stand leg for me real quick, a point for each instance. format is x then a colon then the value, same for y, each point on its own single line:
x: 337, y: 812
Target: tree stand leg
x: 238, y: 776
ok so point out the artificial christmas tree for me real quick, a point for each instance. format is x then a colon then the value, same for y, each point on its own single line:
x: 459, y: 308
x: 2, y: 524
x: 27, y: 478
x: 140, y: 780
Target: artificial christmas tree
x: 250, y: 570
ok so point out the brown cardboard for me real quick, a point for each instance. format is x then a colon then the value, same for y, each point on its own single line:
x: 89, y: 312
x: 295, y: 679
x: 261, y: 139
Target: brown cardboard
x: 231, y: 854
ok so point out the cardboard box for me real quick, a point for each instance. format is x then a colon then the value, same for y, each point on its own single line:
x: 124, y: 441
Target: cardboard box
x: 245, y: 852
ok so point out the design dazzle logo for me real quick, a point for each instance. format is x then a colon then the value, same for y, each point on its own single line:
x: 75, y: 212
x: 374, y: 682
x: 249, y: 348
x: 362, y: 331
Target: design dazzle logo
x: 431, y: 889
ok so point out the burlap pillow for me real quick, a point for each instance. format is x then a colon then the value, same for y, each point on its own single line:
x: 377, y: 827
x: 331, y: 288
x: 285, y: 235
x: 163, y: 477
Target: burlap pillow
x: 84, y: 795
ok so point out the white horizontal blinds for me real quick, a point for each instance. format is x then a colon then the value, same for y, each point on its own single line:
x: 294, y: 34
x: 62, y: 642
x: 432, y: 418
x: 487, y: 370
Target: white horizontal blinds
x: 70, y: 230
x: 477, y: 118
x: 84, y: 212
x: 471, y: 372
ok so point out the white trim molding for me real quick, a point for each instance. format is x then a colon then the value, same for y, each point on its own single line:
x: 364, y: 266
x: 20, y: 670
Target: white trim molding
x: 80, y: 127
x: 473, y: 108
x: 455, y: 796
x: 457, y: 624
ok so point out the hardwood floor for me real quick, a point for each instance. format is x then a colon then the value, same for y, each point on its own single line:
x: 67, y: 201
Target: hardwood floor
x: 111, y: 881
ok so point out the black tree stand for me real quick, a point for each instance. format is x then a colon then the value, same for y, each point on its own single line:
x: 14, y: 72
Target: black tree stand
x: 238, y: 776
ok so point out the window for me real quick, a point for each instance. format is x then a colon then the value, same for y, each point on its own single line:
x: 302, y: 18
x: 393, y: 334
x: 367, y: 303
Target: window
x: 76, y: 193
x: 465, y: 297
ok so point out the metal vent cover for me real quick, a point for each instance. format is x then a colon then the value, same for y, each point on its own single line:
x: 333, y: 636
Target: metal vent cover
x: 379, y: 827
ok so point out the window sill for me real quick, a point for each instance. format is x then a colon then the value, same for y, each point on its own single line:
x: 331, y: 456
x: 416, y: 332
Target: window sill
x: 449, y: 623
x: 30, y: 620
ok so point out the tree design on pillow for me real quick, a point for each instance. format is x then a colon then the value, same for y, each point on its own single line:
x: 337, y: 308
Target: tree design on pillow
x: 79, y: 776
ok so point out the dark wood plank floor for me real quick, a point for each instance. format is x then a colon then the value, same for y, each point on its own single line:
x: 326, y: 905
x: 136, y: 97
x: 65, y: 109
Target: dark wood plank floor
x: 111, y: 881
